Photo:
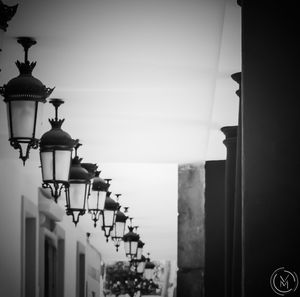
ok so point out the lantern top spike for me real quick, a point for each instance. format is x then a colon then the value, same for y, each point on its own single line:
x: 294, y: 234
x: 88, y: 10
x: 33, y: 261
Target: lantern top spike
x: 27, y: 43
x: 26, y: 67
x: 56, y: 123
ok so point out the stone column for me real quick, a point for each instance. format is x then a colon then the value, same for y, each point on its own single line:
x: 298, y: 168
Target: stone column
x: 237, y: 224
x: 190, y: 273
x: 230, y: 175
x: 6, y: 14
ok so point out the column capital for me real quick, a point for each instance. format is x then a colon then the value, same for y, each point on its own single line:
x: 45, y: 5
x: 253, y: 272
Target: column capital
x: 6, y: 14
x: 237, y: 77
x: 230, y: 133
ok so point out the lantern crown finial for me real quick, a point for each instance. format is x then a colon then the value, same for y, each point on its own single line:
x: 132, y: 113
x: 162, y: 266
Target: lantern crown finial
x: 26, y: 67
x: 56, y: 123
x: 76, y: 146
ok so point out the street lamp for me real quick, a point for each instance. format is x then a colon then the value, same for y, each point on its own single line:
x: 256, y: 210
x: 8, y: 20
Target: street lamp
x: 78, y: 189
x: 139, y: 250
x: 96, y: 199
x: 119, y: 228
x: 109, y: 215
x: 56, y: 148
x: 131, y: 242
x: 149, y: 269
x: 23, y: 96
x: 141, y: 265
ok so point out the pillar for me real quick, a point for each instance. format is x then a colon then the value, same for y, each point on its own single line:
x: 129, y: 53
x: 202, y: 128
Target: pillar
x: 190, y: 282
x: 236, y: 279
x: 214, y: 276
x: 270, y: 145
x: 230, y: 175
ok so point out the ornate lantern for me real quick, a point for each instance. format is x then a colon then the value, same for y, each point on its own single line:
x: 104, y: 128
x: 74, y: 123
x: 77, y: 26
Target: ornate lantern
x: 23, y: 96
x: 96, y: 199
x: 131, y: 242
x: 141, y: 265
x: 109, y: 215
x: 149, y: 269
x: 78, y: 189
x: 56, y: 148
x: 119, y: 228
x: 139, y: 252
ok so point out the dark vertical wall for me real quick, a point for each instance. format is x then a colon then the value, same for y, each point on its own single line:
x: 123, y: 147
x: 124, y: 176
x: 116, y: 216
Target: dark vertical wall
x: 230, y: 142
x: 270, y: 148
x: 190, y: 230
x: 237, y: 221
x: 214, y: 228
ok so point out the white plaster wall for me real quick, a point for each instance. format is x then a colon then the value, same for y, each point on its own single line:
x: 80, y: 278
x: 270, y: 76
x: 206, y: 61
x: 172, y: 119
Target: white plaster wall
x: 15, y: 181
x: 93, y: 260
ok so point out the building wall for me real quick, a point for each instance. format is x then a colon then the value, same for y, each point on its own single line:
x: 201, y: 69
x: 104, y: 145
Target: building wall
x: 94, y: 276
x: 19, y: 186
x: 191, y: 184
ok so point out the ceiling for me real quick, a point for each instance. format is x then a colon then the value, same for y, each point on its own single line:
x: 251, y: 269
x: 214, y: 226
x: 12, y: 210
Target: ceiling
x: 146, y: 85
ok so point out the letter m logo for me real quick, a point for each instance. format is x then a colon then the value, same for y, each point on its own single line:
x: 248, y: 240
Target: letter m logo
x: 284, y: 282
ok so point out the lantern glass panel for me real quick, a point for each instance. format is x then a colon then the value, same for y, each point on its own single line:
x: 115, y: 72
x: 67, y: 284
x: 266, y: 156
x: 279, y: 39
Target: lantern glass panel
x: 108, y: 217
x: 139, y: 253
x: 62, y: 165
x: 22, y: 117
x: 77, y: 195
x: 119, y: 229
x: 127, y: 247
x: 148, y: 274
x: 47, y: 165
x: 134, y: 245
x: 141, y: 267
x: 96, y: 200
